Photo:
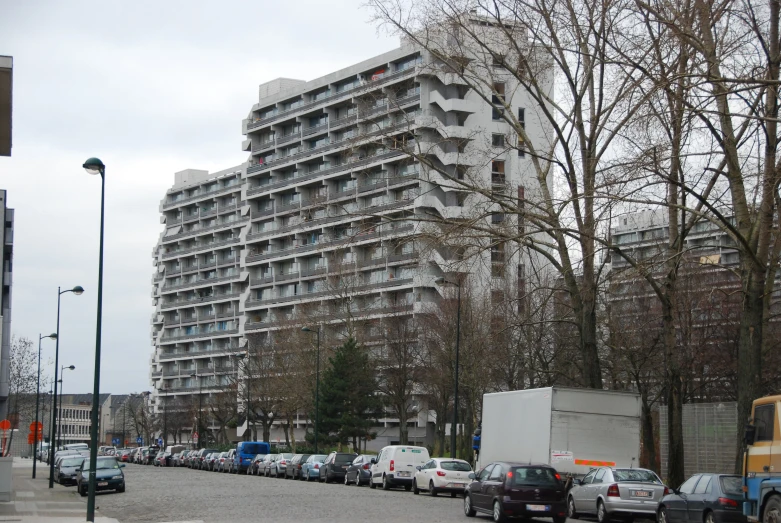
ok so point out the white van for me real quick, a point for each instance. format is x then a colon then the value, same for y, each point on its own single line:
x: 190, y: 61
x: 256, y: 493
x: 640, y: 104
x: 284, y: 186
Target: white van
x: 395, y: 465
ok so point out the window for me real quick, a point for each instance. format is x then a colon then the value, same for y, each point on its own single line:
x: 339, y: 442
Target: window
x: 498, y: 61
x: 589, y: 478
x: 536, y: 476
x: 640, y: 475
x: 764, y: 418
x: 485, y: 472
x: 498, y: 97
x: 732, y: 485
x: 599, y: 476
x: 688, y: 486
x: 497, y: 113
x: 496, y: 473
x: 703, y: 486
x: 497, y: 140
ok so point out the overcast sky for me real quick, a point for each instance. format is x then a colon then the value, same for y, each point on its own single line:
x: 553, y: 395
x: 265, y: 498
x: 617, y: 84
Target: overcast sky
x: 151, y: 88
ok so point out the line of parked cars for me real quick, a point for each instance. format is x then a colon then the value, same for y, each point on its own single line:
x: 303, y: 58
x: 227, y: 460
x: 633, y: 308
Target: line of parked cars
x: 501, y: 490
x: 71, y: 467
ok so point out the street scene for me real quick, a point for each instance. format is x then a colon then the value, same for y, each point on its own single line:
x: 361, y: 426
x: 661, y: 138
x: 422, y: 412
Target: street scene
x: 390, y: 260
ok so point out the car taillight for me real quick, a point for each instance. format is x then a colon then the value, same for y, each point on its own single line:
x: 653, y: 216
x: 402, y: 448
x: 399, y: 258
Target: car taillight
x: 666, y: 491
x: 317, y: 465
x: 366, y: 466
x: 283, y: 462
x: 612, y: 491
x: 726, y: 502
x: 558, y: 476
x: 392, y: 466
x: 441, y: 473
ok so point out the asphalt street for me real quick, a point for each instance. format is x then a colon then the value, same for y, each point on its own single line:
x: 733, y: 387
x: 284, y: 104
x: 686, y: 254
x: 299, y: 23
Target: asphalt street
x: 179, y: 494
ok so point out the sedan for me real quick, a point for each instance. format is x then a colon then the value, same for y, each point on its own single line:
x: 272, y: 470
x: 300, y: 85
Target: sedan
x: 108, y: 475
x: 293, y: 469
x: 359, y: 472
x: 221, y: 463
x: 709, y: 498
x: 279, y: 465
x: 66, y: 470
x: 252, y: 469
x: 311, y: 468
x: 608, y: 492
x: 442, y: 475
x: 265, y: 464
x: 521, y: 490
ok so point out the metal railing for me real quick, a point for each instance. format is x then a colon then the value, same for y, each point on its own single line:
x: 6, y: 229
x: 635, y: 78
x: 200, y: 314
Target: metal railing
x: 202, y: 196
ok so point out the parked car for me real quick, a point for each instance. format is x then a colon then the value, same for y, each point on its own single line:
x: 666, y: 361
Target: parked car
x: 310, y: 470
x: 508, y: 489
x: 279, y: 466
x: 108, y: 475
x: 252, y: 469
x: 160, y: 459
x: 359, y: 471
x: 137, y: 453
x: 442, y: 475
x: 149, y: 455
x: 65, y: 470
x: 219, y: 462
x: 201, y: 458
x: 335, y: 466
x: 229, y: 464
x: 293, y: 469
x: 608, y: 493
x: 190, y: 459
x: 265, y: 464
x: 246, y: 451
x: 208, y: 461
x: 708, y: 498
x: 395, y: 466
x: 126, y: 455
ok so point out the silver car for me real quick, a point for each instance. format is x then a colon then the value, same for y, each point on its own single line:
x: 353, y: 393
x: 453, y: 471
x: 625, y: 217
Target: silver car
x: 608, y: 492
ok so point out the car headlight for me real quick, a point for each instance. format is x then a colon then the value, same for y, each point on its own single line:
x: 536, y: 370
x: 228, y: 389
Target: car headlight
x: 119, y: 476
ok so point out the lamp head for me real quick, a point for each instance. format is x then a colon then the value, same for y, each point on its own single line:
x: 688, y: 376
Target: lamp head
x: 78, y: 290
x: 439, y: 281
x: 308, y: 329
x: 53, y: 336
x: 71, y: 367
x: 94, y: 166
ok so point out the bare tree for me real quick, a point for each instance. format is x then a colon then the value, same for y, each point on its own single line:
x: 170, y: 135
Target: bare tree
x: 23, y: 382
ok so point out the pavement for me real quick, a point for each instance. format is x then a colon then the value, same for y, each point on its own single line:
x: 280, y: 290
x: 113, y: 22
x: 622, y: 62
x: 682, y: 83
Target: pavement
x: 32, y: 500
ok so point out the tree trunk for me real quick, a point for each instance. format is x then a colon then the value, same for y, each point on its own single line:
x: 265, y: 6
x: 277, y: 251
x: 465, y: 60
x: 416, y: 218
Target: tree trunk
x: 648, y: 458
x: 403, y: 431
x: 266, y: 432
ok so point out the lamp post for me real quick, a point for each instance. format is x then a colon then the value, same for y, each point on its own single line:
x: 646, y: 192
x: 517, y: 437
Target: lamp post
x: 78, y: 290
x: 317, y: 382
x: 59, y: 415
x: 38, y: 401
x: 200, y: 405
x: 442, y: 281
x: 95, y: 166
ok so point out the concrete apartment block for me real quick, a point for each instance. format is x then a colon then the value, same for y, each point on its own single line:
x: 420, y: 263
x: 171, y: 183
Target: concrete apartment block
x: 6, y: 98
x: 6, y: 263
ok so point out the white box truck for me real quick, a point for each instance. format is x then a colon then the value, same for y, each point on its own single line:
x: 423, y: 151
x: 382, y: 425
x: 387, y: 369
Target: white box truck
x: 574, y: 430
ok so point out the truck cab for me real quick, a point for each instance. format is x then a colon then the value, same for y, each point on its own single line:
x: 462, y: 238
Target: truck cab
x: 762, y: 462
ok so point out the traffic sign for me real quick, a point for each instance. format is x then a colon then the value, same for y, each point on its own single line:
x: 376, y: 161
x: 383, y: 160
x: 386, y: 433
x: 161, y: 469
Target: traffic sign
x: 5, y: 425
x: 159, y: 442
x: 195, y: 437
x: 115, y: 441
x: 34, y: 424
x: 139, y: 440
x: 30, y: 439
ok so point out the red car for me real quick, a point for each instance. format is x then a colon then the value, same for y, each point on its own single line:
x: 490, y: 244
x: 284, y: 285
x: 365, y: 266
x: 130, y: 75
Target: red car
x: 124, y: 455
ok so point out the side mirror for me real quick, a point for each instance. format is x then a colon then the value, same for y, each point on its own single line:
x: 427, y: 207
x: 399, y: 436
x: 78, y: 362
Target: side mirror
x: 577, y: 482
x: 750, y: 435
x: 418, y: 467
x: 374, y: 461
x: 471, y: 475
x: 121, y: 465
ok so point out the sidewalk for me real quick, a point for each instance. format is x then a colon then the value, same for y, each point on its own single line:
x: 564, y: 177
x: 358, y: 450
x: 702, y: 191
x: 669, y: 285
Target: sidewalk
x: 33, y: 501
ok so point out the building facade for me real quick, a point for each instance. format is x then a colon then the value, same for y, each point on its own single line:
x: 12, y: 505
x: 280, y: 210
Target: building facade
x: 7, y: 264
x: 324, y: 219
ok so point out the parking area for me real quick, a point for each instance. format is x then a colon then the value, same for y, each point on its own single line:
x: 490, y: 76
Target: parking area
x: 181, y: 494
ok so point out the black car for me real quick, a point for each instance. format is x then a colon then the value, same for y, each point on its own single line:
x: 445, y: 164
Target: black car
x: 335, y: 466
x: 108, y: 475
x: 709, y: 498
x: 66, y: 469
x: 516, y: 490
x: 359, y: 472
x: 293, y: 469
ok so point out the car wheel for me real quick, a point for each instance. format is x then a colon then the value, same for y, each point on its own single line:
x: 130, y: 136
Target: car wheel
x: 121, y: 489
x: 772, y: 512
x: 571, y: 512
x: 709, y: 517
x: 661, y: 515
x: 328, y: 477
x: 372, y: 485
x: 602, y: 514
x: 415, y: 489
x: 407, y: 487
x: 385, y: 484
x: 431, y: 490
x: 83, y: 492
x: 308, y: 477
x: 559, y: 519
x: 498, y: 515
x: 469, y: 511
x: 453, y: 494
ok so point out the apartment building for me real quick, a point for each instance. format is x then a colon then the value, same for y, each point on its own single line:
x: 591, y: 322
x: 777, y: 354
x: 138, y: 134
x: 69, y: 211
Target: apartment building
x: 7, y: 264
x: 6, y: 106
x: 324, y: 215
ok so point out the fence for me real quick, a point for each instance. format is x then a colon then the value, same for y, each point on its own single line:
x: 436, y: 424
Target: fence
x: 709, y: 437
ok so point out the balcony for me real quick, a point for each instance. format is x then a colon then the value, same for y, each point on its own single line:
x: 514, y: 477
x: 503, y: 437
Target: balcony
x: 286, y: 277
x: 206, y: 334
x: 315, y: 129
x: 260, y: 213
x: 196, y: 301
x: 289, y: 138
x: 179, y: 354
x: 203, y: 195
x: 254, y: 281
x: 195, y: 232
x: 206, y: 246
x: 269, y: 144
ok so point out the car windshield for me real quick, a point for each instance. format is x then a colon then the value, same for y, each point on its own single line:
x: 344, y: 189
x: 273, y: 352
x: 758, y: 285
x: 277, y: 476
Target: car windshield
x: 635, y: 475
x: 317, y: 457
x: 251, y: 448
x: 344, y: 458
x: 732, y: 485
x: 525, y: 476
x: 72, y: 462
x: 103, y: 464
x: 456, y: 466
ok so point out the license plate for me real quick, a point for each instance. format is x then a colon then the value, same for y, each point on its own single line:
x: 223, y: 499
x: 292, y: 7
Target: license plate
x: 538, y: 508
x: 459, y: 485
x: 103, y: 483
x: 403, y: 474
x: 640, y: 494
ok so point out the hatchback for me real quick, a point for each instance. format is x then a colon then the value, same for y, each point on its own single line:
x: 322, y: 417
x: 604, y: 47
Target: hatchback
x: 607, y: 492
x: 335, y: 466
x: 360, y: 471
x: 252, y: 468
x: 507, y: 489
x: 311, y: 468
x: 293, y: 469
x: 709, y: 498
x: 108, y: 475
x: 442, y: 475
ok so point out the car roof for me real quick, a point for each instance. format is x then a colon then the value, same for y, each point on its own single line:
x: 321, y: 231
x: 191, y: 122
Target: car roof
x: 520, y: 464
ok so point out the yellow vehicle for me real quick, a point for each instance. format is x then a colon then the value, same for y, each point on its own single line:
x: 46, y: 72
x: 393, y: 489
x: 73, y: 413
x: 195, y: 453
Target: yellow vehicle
x: 762, y: 462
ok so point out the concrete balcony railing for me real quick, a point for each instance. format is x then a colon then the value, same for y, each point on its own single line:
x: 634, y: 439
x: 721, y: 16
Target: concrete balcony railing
x: 196, y: 301
x: 206, y: 334
x: 226, y: 314
x: 268, y: 144
x: 206, y: 246
x: 180, y: 354
x: 289, y: 138
x: 286, y: 277
x: 203, y: 196
x: 255, y: 281
x: 201, y: 282
x: 309, y: 131
x: 260, y: 213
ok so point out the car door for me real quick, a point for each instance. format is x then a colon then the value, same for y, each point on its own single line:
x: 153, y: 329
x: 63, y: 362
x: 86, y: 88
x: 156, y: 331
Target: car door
x: 597, y: 488
x: 580, y: 492
x: 695, y: 502
x: 476, y: 488
x: 677, y: 510
x: 491, y: 487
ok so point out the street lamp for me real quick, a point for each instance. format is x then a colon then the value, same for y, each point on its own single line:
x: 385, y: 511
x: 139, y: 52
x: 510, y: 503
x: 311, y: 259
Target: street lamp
x: 78, y: 290
x: 443, y: 281
x: 59, y: 415
x: 95, y: 166
x: 200, y: 405
x: 317, y: 381
x: 38, y: 400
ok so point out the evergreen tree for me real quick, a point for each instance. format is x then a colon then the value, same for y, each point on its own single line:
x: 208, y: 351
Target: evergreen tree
x: 348, y: 404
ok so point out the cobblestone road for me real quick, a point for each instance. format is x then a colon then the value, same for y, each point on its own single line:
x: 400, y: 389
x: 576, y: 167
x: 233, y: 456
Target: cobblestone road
x: 179, y: 494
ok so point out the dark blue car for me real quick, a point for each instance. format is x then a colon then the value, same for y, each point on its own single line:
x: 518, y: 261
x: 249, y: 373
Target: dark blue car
x: 246, y: 451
